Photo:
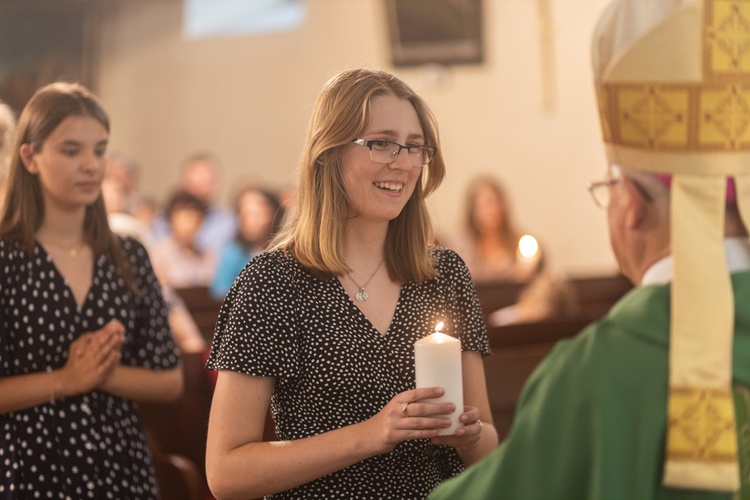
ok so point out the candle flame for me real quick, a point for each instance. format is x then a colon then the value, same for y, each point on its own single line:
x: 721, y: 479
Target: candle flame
x: 528, y: 246
x: 439, y: 326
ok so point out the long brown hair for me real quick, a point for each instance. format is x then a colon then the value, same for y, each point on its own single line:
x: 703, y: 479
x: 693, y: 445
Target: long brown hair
x: 316, y: 234
x: 23, y: 210
x: 508, y: 232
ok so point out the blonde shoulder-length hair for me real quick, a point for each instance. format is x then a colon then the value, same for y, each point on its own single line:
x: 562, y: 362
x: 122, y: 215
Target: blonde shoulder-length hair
x: 315, y: 235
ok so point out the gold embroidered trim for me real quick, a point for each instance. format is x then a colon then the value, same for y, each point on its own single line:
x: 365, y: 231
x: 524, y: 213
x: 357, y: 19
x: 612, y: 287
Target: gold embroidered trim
x: 701, y: 425
x: 726, y: 39
x: 677, y: 117
x: 708, y: 116
x: 742, y: 407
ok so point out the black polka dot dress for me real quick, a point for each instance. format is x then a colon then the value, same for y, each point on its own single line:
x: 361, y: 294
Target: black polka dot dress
x: 333, y: 368
x: 91, y: 445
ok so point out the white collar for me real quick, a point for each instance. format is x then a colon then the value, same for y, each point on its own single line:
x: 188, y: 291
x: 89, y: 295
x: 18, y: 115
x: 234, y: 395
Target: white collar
x: 737, y: 251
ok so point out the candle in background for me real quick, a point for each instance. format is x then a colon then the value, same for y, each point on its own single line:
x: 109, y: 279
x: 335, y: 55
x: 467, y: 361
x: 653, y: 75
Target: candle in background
x: 527, y: 256
x: 437, y: 362
x: 528, y: 246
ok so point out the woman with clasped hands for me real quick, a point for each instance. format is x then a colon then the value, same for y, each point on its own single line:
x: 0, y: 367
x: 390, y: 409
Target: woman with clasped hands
x: 321, y: 327
x: 83, y: 326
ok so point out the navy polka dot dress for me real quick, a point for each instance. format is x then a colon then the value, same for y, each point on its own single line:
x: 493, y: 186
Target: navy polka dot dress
x: 91, y: 445
x: 333, y: 368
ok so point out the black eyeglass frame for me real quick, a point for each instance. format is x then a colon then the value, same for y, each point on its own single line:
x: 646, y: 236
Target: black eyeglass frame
x: 430, y: 150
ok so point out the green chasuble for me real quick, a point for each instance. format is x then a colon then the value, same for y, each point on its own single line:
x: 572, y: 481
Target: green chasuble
x: 591, y: 419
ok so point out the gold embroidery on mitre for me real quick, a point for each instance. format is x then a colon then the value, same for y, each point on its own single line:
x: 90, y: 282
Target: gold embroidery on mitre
x: 708, y: 116
x: 652, y: 116
x: 701, y: 425
x: 726, y: 41
x: 678, y: 117
x: 742, y: 409
x: 603, y: 96
x: 725, y: 118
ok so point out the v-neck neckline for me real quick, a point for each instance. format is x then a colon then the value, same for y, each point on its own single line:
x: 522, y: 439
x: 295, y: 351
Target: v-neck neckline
x: 85, y: 297
x: 350, y: 301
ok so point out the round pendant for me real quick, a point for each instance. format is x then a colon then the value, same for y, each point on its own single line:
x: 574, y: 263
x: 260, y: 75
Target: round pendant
x: 361, y: 295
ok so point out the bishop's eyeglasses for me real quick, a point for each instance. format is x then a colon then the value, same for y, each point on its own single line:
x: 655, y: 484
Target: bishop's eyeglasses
x: 600, y: 191
x: 383, y: 151
x: 601, y: 194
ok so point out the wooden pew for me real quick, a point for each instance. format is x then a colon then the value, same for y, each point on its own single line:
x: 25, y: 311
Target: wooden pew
x: 177, y: 431
x: 594, y: 294
x: 517, y: 349
x: 203, y: 307
x: 516, y: 352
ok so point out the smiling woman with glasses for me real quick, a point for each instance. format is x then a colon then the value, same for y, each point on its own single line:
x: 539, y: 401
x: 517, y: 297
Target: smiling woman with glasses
x: 321, y: 327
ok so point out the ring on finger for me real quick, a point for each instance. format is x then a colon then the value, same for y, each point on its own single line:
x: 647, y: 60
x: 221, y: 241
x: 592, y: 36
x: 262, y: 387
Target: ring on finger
x: 481, y: 425
x: 405, y: 409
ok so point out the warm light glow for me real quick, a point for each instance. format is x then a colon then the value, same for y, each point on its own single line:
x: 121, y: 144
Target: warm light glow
x: 528, y: 246
x: 439, y: 326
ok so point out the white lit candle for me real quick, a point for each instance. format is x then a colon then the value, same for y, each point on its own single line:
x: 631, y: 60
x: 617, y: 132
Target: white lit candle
x: 527, y: 256
x: 528, y: 247
x: 437, y: 362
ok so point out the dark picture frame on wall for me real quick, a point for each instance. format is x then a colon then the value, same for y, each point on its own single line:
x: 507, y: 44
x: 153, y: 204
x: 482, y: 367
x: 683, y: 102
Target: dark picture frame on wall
x: 443, y: 32
x: 42, y: 41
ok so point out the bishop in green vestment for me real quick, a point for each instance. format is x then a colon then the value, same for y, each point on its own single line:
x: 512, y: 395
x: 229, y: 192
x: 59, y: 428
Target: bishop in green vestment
x: 652, y: 401
x: 591, y: 420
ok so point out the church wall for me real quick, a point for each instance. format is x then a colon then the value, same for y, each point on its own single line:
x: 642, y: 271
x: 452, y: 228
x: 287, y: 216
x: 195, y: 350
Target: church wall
x: 527, y: 114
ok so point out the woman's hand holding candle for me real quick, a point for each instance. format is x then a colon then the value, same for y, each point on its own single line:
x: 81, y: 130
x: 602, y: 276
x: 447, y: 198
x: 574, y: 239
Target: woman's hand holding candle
x: 422, y: 419
x: 468, y: 434
x: 435, y: 409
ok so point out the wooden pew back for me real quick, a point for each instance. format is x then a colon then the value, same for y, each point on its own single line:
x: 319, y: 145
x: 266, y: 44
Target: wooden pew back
x: 517, y: 349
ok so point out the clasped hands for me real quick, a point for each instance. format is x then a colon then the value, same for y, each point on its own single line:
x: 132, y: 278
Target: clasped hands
x: 92, y: 358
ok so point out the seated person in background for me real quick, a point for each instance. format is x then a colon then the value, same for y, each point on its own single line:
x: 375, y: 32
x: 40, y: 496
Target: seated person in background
x: 129, y: 211
x: 259, y: 215
x: 545, y: 297
x: 146, y: 210
x: 121, y: 221
x: 200, y: 177
x: 179, y: 263
x: 652, y: 401
x: 124, y: 171
x: 490, y: 242
x: 494, y: 251
x: 186, y: 332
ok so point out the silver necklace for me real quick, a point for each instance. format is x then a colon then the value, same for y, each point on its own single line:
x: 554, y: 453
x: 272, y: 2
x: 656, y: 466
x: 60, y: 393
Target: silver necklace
x: 361, y: 295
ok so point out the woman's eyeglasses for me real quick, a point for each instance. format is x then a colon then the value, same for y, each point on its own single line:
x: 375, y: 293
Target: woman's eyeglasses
x: 384, y: 151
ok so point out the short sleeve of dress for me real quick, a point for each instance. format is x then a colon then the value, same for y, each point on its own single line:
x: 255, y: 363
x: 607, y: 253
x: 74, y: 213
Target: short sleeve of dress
x: 255, y: 332
x: 154, y: 346
x: 463, y: 304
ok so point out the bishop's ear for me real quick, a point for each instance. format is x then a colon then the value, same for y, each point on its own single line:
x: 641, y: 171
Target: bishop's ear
x: 637, y: 203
